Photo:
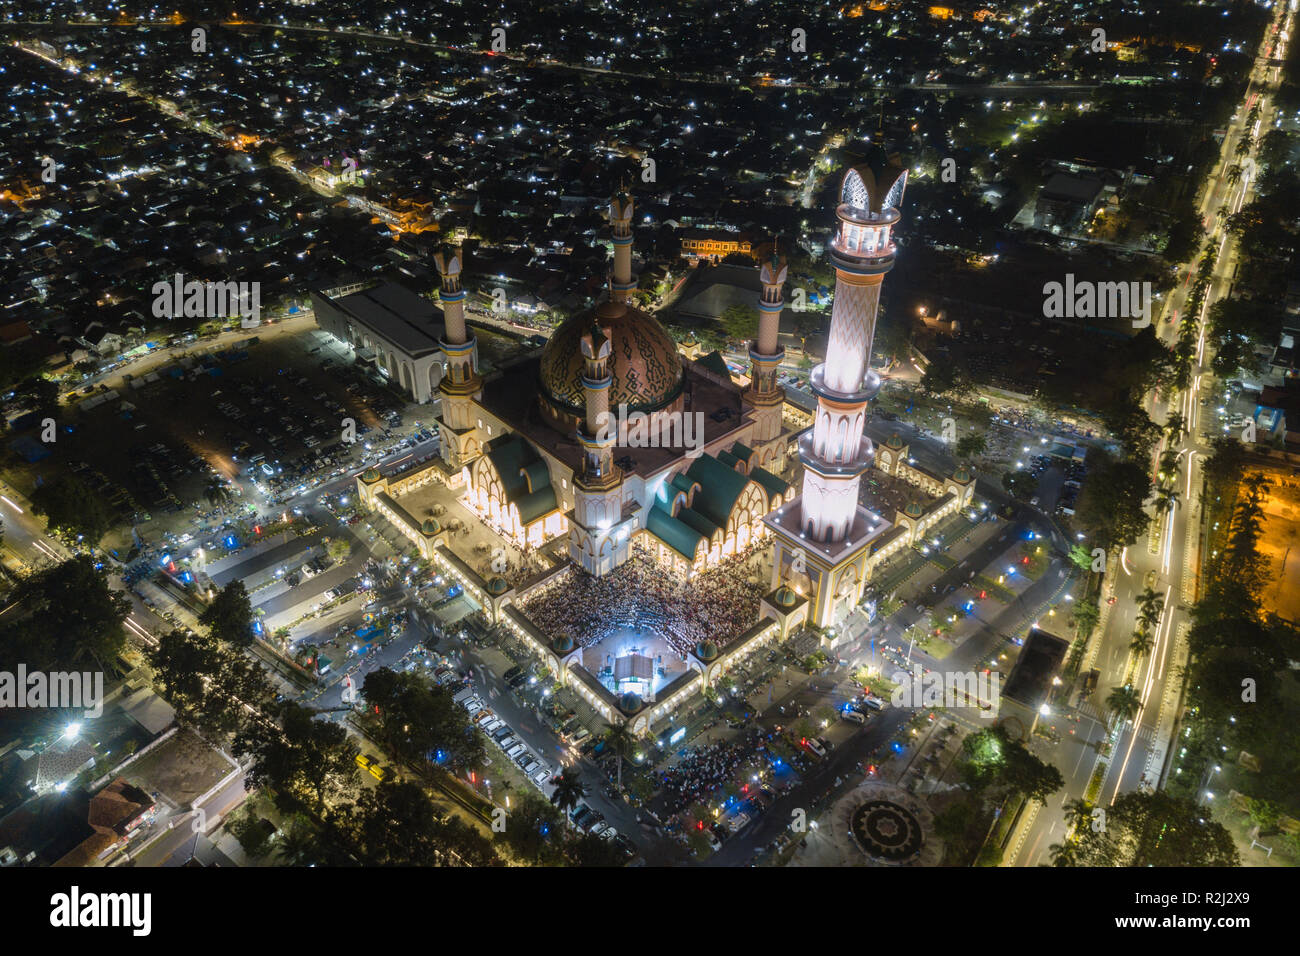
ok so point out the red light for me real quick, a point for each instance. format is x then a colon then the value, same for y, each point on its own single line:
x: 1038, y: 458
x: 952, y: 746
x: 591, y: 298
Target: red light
x: 257, y: 529
x: 699, y: 824
x: 804, y: 741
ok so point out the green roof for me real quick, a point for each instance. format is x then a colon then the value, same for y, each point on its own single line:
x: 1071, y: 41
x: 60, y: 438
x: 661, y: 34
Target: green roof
x: 770, y: 482
x: 714, y: 362
x: 743, y: 452
x: 720, y: 488
x: 537, y: 475
x: 679, y: 536
x: 682, y: 483
x: 524, y: 476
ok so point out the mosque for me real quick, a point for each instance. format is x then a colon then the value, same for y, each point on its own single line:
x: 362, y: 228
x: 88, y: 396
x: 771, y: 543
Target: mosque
x: 530, y: 450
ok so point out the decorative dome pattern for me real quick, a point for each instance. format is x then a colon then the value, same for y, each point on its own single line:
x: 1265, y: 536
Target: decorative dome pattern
x: 706, y: 650
x: 646, y: 369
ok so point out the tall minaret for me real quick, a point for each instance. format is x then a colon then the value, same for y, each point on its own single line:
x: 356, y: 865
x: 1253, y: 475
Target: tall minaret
x: 622, y: 282
x: 764, y: 395
x: 460, y: 385
x: 595, y: 540
x: 823, y: 538
x: 836, y: 454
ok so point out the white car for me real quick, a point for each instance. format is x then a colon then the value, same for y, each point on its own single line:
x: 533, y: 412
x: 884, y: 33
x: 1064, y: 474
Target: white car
x: 473, y: 707
x: 598, y: 828
x: 541, y: 775
x: 608, y: 833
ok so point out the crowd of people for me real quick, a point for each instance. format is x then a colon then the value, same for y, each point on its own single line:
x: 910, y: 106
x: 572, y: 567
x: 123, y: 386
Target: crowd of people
x: 702, y: 772
x: 716, y: 605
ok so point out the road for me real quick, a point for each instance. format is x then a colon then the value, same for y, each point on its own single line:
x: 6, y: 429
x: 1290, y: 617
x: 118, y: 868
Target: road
x: 1140, y: 747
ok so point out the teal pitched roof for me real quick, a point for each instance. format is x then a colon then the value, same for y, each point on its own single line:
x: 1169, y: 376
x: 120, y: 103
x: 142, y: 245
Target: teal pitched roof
x: 743, y: 452
x: 714, y: 362
x: 537, y: 475
x: 524, y: 477
x: 682, y: 483
x: 720, y: 487
x: 678, y: 535
x: 770, y: 482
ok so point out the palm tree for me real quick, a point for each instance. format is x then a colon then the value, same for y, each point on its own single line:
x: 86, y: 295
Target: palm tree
x: 1234, y: 173
x: 1124, y: 702
x: 1078, y: 813
x: 1151, y: 604
x: 1141, y: 643
x: 1176, y: 425
x: 1169, y: 465
x: 1166, y: 500
x: 568, y: 790
x: 620, y: 743
x: 1063, y: 854
x: 217, y: 492
x: 298, y: 845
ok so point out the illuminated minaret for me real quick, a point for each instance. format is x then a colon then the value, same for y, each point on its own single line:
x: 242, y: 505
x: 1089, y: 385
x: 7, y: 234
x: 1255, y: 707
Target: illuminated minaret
x: 460, y: 385
x: 596, y: 540
x: 622, y: 283
x: 836, y: 453
x: 764, y: 395
x: 824, y: 537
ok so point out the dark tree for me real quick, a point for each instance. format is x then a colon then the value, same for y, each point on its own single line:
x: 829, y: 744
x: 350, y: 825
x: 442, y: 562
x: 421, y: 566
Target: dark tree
x: 230, y: 615
x: 72, y: 510
x: 63, y: 617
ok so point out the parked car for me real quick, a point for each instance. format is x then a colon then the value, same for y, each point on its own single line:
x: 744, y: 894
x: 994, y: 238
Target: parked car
x: 814, y: 745
x: 626, y: 845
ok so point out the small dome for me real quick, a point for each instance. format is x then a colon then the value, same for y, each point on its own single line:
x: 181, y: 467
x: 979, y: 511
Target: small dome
x: 913, y: 509
x: 498, y: 585
x: 962, y: 474
x: 630, y: 703
x: 562, y: 644
x: 785, y: 596
x: 430, y: 527
x: 893, y: 441
x: 706, y: 650
x: 370, y: 475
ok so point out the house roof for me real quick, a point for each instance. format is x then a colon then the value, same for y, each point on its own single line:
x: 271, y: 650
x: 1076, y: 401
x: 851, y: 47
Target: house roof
x: 117, y: 805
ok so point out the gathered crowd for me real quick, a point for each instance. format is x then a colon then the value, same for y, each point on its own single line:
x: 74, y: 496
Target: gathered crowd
x: 702, y: 771
x: 716, y: 605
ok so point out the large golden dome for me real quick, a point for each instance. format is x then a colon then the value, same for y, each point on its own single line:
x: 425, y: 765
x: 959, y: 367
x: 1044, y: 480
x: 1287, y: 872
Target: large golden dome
x: 644, y: 363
